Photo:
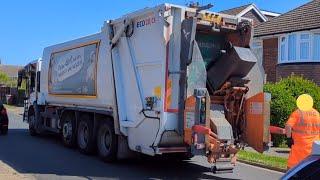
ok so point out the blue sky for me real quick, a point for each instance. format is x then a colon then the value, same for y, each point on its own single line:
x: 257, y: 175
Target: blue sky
x: 26, y: 27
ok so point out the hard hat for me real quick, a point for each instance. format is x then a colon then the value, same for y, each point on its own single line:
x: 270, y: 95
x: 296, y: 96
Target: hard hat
x: 305, y: 102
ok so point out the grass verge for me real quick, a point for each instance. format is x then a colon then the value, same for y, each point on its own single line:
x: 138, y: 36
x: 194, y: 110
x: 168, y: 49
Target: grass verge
x: 272, y: 162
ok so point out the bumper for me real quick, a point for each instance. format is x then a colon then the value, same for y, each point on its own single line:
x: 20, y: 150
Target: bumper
x: 4, y: 122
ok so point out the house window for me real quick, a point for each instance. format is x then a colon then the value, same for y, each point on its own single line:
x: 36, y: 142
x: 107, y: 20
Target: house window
x: 292, y: 44
x: 283, y: 49
x: 299, y: 47
x: 316, y: 47
x: 304, y: 46
x: 257, y: 44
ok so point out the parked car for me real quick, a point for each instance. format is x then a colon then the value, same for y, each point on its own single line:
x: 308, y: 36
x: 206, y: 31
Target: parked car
x: 4, y: 120
x: 309, y: 168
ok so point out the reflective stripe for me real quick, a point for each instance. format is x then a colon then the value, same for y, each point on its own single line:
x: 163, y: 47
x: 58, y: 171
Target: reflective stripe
x: 309, y: 124
x: 169, y: 93
x: 305, y: 132
x: 301, y: 121
x: 307, y: 128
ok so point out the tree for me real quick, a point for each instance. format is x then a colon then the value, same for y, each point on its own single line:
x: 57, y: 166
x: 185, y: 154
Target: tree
x: 3, y: 78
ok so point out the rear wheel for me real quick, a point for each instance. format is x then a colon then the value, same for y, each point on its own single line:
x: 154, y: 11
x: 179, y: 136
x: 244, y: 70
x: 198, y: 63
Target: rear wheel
x: 86, y: 140
x: 107, y: 142
x: 69, y: 130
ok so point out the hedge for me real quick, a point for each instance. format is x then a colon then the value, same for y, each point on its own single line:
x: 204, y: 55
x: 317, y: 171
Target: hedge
x: 283, y: 102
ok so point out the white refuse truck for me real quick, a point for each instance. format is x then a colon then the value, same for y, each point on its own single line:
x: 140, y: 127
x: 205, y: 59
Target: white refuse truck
x: 162, y: 80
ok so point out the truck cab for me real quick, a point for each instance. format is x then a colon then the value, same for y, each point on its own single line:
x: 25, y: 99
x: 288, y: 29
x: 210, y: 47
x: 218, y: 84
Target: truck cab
x: 30, y: 75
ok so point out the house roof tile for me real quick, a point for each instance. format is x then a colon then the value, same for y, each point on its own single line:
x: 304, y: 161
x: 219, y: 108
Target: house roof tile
x: 305, y: 17
x: 236, y: 10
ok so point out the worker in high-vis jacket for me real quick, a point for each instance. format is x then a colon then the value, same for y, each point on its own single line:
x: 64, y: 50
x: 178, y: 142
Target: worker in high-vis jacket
x: 303, y: 126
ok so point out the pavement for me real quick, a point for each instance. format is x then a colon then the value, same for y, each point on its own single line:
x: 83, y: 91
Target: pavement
x: 273, y: 151
x: 26, y: 157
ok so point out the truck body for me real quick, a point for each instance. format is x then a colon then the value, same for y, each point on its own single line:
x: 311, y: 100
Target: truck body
x: 168, y: 79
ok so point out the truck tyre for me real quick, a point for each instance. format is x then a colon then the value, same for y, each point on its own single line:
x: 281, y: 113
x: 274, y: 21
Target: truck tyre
x: 4, y: 130
x: 107, y: 142
x: 31, y: 120
x: 69, y: 133
x: 86, y: 139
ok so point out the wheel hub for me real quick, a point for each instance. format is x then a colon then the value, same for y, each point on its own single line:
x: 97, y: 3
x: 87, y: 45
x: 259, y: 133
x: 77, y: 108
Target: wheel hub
x: 107, y: 140
x: 83, y: 136
x: 67, y: 130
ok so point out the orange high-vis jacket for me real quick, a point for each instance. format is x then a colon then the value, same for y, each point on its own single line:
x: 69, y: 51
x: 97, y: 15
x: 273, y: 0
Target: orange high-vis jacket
x: 305, y: 129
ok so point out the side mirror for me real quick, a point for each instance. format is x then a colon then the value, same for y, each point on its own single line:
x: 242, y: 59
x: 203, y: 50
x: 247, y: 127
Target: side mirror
x: 188, y: 33
x: 38, y: 81
x: 19, y: 81
x: 33, y: 80
x: 20, y: 76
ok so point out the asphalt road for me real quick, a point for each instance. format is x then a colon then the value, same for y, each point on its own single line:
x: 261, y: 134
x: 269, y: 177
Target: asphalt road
x: 46, y: 158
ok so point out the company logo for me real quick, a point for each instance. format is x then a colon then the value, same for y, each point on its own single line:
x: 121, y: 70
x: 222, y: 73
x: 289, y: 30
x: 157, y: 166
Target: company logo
x: 68, y: 64
x: 146, y: 22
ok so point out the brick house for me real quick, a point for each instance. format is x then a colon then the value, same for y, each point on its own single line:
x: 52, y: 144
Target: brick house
x: 291, y: 43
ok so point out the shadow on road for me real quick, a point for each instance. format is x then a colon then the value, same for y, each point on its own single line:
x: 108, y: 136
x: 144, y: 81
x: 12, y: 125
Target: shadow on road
x: 46, y: 155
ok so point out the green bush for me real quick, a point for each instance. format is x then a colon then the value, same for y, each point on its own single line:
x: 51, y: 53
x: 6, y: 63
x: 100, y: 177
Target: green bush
x: 3, y: 78
x: 283, y: 102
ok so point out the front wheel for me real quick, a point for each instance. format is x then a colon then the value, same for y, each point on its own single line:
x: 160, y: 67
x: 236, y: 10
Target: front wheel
x: 4, y: 130
x: 107, y: 142
x: 32, y: 129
